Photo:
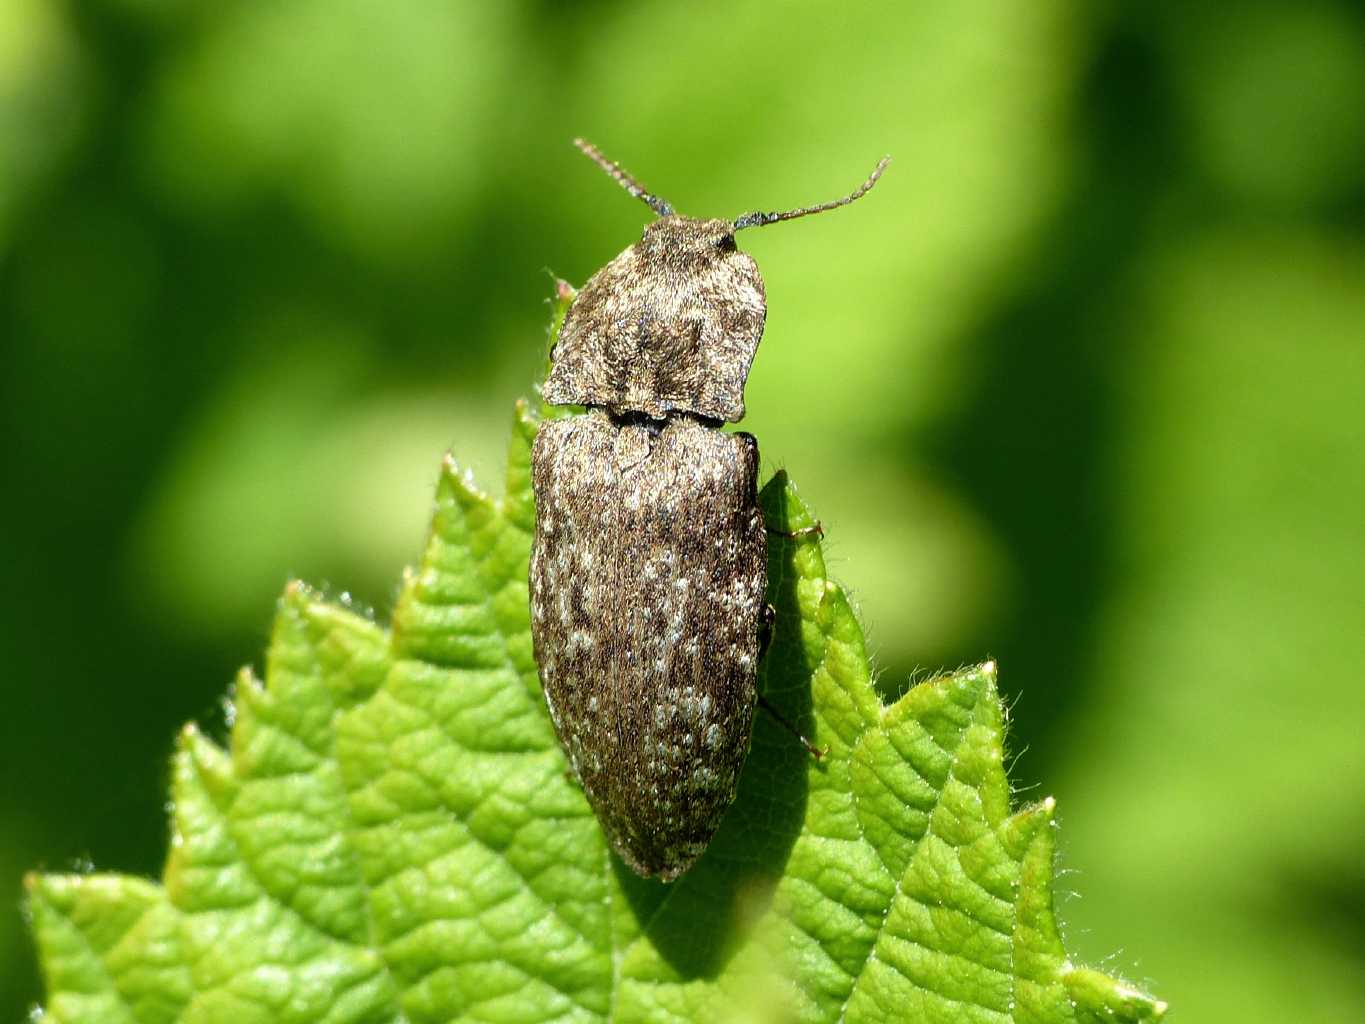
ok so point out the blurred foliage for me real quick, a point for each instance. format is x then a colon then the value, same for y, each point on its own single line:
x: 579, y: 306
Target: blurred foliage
x: 1101, y: 328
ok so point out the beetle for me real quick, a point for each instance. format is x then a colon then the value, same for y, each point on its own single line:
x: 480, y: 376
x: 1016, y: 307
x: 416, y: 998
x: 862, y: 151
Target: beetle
x: 649, y: 563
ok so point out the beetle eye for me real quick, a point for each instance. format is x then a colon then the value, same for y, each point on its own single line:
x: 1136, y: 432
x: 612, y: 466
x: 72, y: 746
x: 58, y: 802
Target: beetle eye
x: 726, y: 243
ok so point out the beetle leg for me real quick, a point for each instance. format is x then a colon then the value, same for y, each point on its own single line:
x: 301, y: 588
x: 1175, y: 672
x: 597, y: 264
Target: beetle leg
x: 766, y: 622
x: 815, y: 530
x: 811, y: 748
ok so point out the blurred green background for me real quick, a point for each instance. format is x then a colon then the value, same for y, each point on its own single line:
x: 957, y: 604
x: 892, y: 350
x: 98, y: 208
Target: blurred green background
x: 1080, y: 386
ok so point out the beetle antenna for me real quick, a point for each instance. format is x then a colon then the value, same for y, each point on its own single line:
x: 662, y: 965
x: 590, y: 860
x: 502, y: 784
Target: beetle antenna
x: 758, y: 220
x: 623, y: 178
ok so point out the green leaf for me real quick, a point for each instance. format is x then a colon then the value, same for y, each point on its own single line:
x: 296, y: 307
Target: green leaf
x: 393, y: 835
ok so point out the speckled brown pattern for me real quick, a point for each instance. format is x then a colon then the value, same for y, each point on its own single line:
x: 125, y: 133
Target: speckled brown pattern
x: 648, y: 568
x: 670, y: 325
x: 647, y: 582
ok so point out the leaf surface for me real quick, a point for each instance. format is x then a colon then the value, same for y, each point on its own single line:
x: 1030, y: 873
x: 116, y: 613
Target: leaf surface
x: 393, y: 835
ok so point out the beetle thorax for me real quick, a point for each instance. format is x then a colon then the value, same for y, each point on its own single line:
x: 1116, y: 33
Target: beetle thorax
x: 670, y: 325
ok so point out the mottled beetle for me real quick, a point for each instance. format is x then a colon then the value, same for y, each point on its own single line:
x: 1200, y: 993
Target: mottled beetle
x: 649, y: 564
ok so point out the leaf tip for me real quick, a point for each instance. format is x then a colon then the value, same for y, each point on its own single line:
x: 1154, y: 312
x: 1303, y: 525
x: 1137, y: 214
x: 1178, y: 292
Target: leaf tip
x: 1110, y: 998
x: 204, y: 755
x: 298, y: 596
x: 459, y: 483
x: 526, y: 419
